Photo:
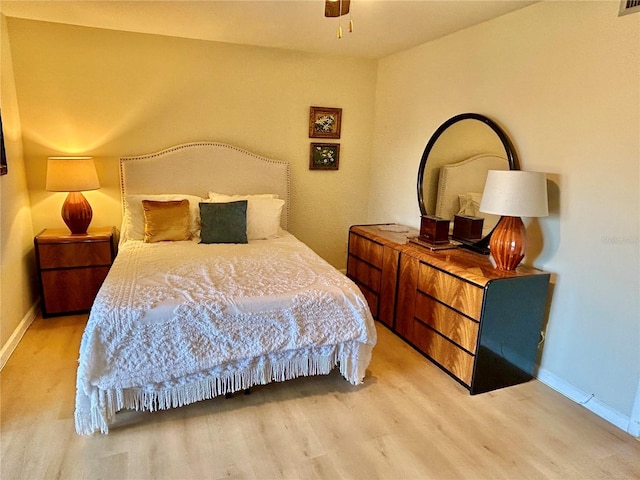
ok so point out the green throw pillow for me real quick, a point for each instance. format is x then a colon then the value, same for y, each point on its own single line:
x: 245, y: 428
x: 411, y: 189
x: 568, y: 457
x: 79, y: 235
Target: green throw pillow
x: 223, y: 222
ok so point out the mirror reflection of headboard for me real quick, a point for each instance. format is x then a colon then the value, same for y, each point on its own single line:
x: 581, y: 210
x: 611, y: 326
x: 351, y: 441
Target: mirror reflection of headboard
x: 460, y: 183
x: 462, y: 137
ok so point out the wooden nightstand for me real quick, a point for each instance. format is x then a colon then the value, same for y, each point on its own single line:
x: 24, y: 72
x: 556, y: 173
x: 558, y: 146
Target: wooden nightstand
x: 71, y: 268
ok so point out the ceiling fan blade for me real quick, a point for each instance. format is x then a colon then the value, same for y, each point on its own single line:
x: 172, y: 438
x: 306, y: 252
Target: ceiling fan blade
x: 332, y: 8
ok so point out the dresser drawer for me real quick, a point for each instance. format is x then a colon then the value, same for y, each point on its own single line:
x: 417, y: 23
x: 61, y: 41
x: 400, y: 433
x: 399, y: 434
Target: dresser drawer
x: 388, y: 284
x: 69, y: 255
x: 451, y: 357
x: 458, y: 328
x: 372, y: 300
x: 366, y: 250
x: 363, y: 273
x: 453, y: 291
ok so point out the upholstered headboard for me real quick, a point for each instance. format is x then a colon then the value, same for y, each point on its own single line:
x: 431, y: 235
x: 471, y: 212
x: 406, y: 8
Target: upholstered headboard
x: 201, y: 167
x: 467, y: 176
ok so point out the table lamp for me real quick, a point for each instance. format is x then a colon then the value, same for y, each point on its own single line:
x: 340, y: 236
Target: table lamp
x: 73, y: 175
x: 512, y: 194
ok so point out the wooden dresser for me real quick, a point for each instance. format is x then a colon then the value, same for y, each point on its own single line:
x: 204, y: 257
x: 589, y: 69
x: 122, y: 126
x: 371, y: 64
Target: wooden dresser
x: 479, y: 324
x: 71, y: 268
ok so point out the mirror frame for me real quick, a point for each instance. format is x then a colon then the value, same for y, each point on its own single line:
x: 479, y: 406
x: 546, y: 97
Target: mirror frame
x: 482, y: 245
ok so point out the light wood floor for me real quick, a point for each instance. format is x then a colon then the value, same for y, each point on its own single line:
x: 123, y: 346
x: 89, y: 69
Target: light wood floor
x: 409, y: 420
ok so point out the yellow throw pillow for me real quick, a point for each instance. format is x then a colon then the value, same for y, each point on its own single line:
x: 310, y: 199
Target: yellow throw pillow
x: 166, y: 221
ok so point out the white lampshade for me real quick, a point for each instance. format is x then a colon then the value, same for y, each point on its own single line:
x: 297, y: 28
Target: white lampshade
x: 515, y: 193
x: 71, y: 174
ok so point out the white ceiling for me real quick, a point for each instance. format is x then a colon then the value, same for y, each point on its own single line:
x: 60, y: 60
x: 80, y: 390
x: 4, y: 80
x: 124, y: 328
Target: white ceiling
x: 381, y: 27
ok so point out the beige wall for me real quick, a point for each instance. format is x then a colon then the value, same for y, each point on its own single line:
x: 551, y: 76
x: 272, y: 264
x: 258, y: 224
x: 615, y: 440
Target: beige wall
x: 563, y: 79
x: 17, y: 271
x: 109, y: 94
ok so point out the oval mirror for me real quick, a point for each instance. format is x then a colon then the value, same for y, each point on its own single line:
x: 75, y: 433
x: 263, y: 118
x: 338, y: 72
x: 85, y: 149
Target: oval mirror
x: 454, y: 167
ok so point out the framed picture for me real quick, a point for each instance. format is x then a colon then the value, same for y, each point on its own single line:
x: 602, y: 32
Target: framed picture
x: 3, y: 155
x: 324, y: 156
x: 324, y: 122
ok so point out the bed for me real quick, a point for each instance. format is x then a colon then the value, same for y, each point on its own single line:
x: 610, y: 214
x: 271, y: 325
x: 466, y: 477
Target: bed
x: 191, y: 309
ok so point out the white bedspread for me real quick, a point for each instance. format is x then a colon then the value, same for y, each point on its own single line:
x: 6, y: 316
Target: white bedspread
x: 179, y: 322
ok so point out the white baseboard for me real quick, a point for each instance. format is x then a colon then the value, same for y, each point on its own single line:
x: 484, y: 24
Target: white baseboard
x: 16, y: 336
x: 588, y: 401
x: 634, y: 424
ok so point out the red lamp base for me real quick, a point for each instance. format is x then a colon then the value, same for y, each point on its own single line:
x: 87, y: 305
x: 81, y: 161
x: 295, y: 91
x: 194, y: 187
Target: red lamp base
x: 77, y: 213
x: 508, y: 242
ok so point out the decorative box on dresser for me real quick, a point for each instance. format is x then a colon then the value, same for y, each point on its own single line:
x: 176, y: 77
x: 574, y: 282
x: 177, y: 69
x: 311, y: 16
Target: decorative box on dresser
x: 479, y: 324
x: 71, y: 268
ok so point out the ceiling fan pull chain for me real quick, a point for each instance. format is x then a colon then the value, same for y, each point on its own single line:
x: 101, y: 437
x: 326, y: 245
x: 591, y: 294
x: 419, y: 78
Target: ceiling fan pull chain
x: 339, y: 20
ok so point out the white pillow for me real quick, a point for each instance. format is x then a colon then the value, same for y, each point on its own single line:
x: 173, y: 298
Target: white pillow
x: 263, y: 213
x: 133, y: 221
x: 470, y: 205
x: 223, y: 197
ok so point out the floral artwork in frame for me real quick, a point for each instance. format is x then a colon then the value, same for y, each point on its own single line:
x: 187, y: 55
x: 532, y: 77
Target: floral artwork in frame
x: 325, y: 122
x: 324, y: 156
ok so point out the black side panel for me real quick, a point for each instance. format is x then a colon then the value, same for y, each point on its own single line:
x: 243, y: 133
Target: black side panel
x: 513, y: 314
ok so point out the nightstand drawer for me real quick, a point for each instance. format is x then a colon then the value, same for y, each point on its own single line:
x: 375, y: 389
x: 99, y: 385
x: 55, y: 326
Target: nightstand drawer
x: 449, y: 323
x: 69, y: 255
x: 71, y: 290
x: 459, y: 294
x: 366, y: 250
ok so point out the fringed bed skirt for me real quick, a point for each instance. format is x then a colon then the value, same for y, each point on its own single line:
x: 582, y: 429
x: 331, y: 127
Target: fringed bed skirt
x: 96, y: 408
